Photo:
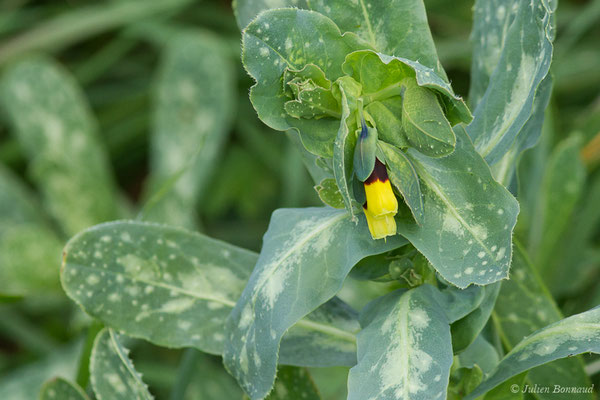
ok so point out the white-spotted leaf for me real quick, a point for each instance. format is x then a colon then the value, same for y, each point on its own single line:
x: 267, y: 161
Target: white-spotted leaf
x: 524, y: 306
x: 112, y: 373
x: 574, y: 335
x: 466, y: 231
x: 512, y: 55
x: 404, y: 350
x: 62, y: 389
x: 306, y: 255
x: 193, y: 108
x: 56, y: 130
x: 140, y: 277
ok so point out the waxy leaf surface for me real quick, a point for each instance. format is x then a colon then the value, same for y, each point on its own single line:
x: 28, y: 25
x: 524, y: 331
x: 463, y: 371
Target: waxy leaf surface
x: 112, y: 373
x: 574, y: 335
x: 306, y: 255
x: 512, y: 55
x: 140, y: 277
x: 524, y: 305
x: 468, y: 219
x: 289, y: 39
x: 404, y: 350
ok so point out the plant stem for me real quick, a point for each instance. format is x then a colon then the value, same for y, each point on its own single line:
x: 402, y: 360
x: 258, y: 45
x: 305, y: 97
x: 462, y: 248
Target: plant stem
x: 184, y: 374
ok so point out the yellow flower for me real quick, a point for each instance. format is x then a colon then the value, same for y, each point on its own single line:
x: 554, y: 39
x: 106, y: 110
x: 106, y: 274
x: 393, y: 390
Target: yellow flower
x: 381, y: 205
x: 381, y: 226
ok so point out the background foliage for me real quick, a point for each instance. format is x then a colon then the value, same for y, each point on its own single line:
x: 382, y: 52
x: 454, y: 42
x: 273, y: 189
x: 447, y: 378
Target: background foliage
x: 122, y: 76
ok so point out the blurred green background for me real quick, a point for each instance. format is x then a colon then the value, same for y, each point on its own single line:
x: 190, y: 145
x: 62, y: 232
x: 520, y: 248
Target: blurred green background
x: 115, y: 50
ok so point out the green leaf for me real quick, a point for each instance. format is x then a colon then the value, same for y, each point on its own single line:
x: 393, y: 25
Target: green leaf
x: 294, y: 384
x: 364, y: 153
x: 29, y: 250
x: 424, y: 123
x: 480, y: 353
x: 504, y: 170
x: 468, y: 217
x: 466, y: 330
x: 562, y: 187
x: 247, y: 10
x: 382, y: 77
x: 343, y: 155
x: 524, y: 306
x: 139, y: 277
x: 398, y: 27
x: 512, y: 55
x: 54, y: 126
x: 574, y: 335
x: 61, y: 389
x: 324, y: 338
x: 458, y: 303
x: 289, y: 39
x: 329, y: 193
x: 193, y: 108
x: 165, y: 276
x: 571, y: 269
x: 387, y: 117
x: 306, y: 256
x: 404, y: 350
x: 404, y: 177
x: 511, y: 389
x: 112, y: 373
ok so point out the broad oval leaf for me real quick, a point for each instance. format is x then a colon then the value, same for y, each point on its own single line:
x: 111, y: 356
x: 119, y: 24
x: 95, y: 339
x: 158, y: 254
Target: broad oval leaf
x: 52, y: 122
x: 193, y: 108
x: 139, y: 277
x: 306, y: 255
x: 405, y: 350
x: 62, y: 389
x: 289, y: 39
x: 397, y: 27
x: 466, y: 231
x: 112, y: 373
x: 524, y: 306
x: 512, y: 55
x: 574, y: 335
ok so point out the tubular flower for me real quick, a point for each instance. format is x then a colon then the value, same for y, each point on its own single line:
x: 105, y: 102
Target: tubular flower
x: 381, y: 204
